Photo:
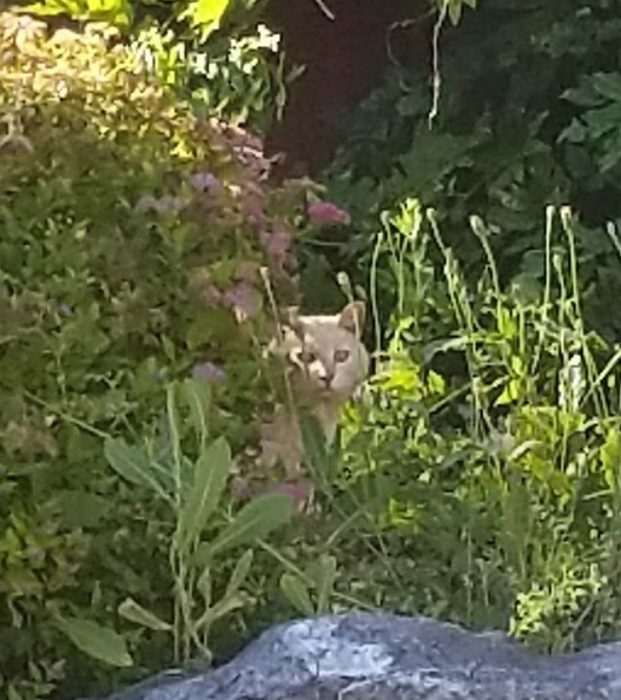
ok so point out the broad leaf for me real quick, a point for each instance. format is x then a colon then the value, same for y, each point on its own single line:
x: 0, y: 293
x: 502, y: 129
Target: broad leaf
x: 254, y: 521
x: 99, y: 642
x: 133, y: 464
x: 210, y: 474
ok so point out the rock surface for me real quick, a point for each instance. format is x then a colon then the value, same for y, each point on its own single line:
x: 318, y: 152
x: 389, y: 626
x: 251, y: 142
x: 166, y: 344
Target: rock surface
x: 360, y: 656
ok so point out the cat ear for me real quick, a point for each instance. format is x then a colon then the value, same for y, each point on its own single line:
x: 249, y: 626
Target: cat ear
x: 352, y: 317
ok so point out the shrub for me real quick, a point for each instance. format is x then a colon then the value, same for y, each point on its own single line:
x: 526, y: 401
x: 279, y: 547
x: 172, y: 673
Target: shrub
x: 132, y: 238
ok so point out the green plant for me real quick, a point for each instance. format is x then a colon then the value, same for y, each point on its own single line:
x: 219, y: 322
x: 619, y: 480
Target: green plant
x: 475, y: 480
x: 133, y: 235
x: 501, y: 144
x: 240, y: 79
x: 192, y: 490
x: 216, y: 53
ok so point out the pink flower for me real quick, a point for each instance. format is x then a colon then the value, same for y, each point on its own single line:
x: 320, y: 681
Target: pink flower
x: 277, y: 244
x: 243, y: 299
x: 327, y: 213
x: 300, y: 493
x: 209, y: 372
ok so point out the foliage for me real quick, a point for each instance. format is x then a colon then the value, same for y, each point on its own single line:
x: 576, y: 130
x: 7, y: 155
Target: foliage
x: 118, y: 13
x: 192, y: 490
x: 237, y: 78
x: 133, y: 236
x: 215, y: 52
x: 502, y: 143
x: 478, y: 480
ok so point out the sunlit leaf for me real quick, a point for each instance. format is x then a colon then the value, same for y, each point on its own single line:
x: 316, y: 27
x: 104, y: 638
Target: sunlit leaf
x: 208, y: 14
x: 454, y: 11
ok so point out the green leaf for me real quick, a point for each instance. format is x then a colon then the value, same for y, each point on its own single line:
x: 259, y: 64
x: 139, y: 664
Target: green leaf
x: 240, y: 572
x: 510, y: 393
x: 296, y: 592
x: 134, y: 612
x: 254, y: 521
x: 208, y: 14
x: 204, y: 586
x: 117, y: 12
x: 133, y: 464
x: 443, y: 345
x: 197, y: 397
x: 223, y: 607
x: 50, y: 8
x: 210, y: 474
x: 81, y: 508
x: 174, y: 430
x: 454, y: 11
x: 326, y: 574
x: 608, y: 85
x: 101, y: 643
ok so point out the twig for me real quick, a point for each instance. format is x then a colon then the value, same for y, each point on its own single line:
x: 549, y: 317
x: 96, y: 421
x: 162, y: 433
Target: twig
x: 437, y: 76
x: 325, y: 9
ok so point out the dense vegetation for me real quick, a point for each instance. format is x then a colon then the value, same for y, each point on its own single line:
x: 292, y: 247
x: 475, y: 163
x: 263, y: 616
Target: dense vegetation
x: 144, y: 253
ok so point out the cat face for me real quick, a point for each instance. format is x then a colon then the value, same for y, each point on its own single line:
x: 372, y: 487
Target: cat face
x: 325, y: 354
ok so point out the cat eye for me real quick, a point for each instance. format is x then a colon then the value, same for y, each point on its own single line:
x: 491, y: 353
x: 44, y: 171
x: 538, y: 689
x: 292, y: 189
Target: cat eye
x: 307, y: 357
x: 341, y: 356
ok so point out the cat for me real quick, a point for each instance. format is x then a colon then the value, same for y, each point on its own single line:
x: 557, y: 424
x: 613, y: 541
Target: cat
x: 325, y: 363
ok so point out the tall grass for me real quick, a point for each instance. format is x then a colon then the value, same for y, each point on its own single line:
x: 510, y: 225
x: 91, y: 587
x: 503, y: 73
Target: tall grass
x: 484, y: 461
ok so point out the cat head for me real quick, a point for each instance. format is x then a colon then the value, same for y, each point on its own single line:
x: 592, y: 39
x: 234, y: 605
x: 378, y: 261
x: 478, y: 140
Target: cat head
x: 325, y: 355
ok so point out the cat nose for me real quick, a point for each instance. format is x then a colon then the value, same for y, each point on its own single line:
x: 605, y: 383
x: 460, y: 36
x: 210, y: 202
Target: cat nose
x: 327, y: 378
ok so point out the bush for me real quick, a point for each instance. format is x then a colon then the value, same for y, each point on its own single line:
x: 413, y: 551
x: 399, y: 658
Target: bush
x: 133, y: 236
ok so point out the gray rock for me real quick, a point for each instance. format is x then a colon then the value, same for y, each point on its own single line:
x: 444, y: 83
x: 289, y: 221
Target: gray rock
x: 362, y: 656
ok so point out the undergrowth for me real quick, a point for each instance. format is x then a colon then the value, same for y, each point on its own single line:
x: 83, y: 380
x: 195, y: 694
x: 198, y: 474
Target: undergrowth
x: 478, y: 481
